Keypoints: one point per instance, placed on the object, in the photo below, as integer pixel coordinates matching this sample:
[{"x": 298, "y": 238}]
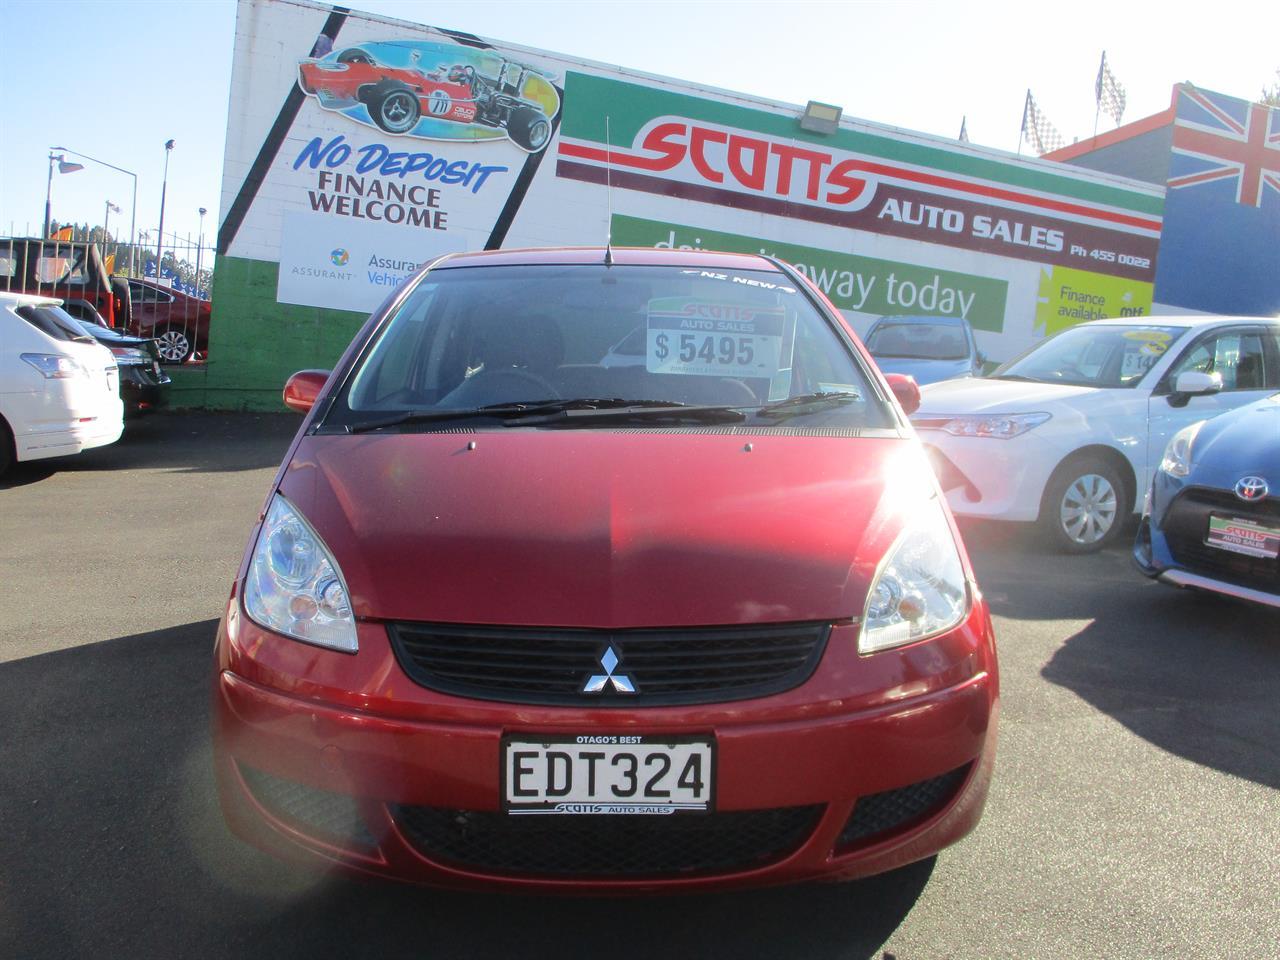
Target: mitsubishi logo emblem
[
  {"x": 1251, "y": 488},
  {"x": 621, "y": 682}
]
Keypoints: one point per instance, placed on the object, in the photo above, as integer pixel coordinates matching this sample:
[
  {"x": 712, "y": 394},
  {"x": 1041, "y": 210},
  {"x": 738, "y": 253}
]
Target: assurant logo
[{"x": 339, "y": 257}]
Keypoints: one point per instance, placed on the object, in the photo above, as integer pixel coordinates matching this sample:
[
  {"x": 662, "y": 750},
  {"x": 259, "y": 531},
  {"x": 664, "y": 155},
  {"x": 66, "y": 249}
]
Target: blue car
[
  {"x": 1212, "y": 516},
  {"x": 927, "y": 348}
]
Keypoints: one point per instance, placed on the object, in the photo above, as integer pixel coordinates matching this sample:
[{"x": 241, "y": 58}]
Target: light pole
[
  {"x": 164, "y": 186},
  {"x": 63, "y": 167},
  {"x": 199, "y": 249},
  {"x": 133, "y": 216},
  {"x": 106, "y": 214}
]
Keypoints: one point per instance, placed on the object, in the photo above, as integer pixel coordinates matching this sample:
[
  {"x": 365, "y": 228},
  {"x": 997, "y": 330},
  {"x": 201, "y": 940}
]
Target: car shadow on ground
[
  {"x": 179, "y": 441},
  {"x": 113, "y": 845},
  {"x": 1193, "y": 673}
]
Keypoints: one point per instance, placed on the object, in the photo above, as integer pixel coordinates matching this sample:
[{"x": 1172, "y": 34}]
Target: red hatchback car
[{"x": 514, "y": 618}]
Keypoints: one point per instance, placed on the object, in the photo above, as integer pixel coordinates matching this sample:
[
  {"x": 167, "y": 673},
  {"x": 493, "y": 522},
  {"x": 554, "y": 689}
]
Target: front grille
[
  {"x": 880, "y": 813},
  {"x": 322, "y": 814},
  {"x": 553, "y": 666},
  {"x": 1186, "y": 526},
  {"x": 600, "y": 847}
]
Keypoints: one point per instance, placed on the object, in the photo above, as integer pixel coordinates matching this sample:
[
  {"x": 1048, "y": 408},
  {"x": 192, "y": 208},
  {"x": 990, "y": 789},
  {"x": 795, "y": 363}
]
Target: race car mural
[{"x": 436, "y": 91}]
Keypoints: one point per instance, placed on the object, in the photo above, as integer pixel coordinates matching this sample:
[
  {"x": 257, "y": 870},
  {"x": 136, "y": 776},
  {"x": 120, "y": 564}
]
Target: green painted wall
[{"x": 260, "y": 342}]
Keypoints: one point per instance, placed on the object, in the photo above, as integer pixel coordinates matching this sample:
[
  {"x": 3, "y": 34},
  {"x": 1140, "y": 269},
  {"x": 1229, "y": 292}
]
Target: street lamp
[
  {"x": 106, "y": 215},
  {"x": 64, "y": 166},
  {"x": 199, "y": 249},
  {"x": 164, "y": 186},
  {"x": 133, "y": 216}
]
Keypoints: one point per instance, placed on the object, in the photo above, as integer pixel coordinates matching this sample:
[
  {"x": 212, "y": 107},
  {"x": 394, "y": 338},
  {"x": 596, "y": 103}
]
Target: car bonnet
[{"x": 604, "y": 528}]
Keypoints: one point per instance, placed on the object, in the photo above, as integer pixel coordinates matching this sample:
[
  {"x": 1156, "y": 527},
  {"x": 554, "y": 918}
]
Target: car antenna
[{"x": 608, "y": 189}]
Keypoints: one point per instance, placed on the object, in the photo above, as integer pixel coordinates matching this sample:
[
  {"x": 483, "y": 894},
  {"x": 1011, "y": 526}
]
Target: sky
[{"x": 115, "y": 80}]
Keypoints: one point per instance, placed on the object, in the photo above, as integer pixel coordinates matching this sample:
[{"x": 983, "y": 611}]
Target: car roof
[
  {"x": 629, "y": 256},
  {"x": 1183, "y": 320}
]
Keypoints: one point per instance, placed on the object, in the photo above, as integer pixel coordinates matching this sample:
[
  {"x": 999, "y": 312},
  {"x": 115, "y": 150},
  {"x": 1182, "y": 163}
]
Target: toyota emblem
[{"x": 1251, "y": 488}]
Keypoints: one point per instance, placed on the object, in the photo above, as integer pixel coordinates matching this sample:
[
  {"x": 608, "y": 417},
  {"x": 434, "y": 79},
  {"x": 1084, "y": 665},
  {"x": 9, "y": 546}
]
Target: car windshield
[
  {"x": 1106, "y": 355},
  {"x": 918, "y": 341},
  {"x": 554, "y": 335}
]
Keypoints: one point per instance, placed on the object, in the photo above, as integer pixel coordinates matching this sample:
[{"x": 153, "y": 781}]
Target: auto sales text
[{"x": 982, "y": 226}]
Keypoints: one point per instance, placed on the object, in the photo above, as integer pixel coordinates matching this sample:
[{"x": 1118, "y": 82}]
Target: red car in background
[
  {"x": 513, "y": 618},
  {"x": 179, "y": 323}
]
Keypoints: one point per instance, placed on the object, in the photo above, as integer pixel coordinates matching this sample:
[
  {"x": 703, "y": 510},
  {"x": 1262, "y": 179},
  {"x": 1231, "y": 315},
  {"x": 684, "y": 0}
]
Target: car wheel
[
  {"x": 396, "y": 110},
  {"x": 7, "y": 453},
  {"x": 529, "y": 128},
  {"x": 355, "y": 55},
  {"x": 1083, "y": 509},
  {"x": 174, "y": 344}
]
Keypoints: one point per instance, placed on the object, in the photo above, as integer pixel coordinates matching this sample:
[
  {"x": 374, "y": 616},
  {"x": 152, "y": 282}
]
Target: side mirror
[
  {"x": 907, "y": 391},
  {"x": 1195, "y": 384},
  {"x": 301, "y": 390}
]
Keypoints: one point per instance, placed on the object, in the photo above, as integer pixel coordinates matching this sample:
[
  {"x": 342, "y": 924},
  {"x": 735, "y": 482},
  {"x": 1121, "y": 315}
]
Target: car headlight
[
  {"x": 1177, "y": 455},
  {"x": 53, "y": 366},
  {"x": 920, "y": 588},
  {"x": 294, "y": 585},
  {"x": 1001, "y": 426}
]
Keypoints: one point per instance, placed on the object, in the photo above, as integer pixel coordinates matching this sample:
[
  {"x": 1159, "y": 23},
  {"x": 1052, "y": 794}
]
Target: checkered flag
[
  {"x": 1040, "y": 133},
  {"x": 1110, "y": 94}
]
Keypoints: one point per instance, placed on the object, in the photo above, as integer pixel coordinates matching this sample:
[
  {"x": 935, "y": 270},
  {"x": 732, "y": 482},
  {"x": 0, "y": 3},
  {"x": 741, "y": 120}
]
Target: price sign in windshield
[{"x": 710, "y": 338}]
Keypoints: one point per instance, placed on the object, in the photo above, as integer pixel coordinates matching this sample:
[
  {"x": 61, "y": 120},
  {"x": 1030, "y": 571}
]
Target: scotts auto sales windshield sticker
[{"x": 713, "y": 338}]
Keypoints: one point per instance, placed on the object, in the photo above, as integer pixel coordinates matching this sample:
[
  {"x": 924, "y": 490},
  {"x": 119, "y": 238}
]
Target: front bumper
[
  {"x": 341, "y": 757},
  {"x": 1171, "y": 543},
  {"x": 992, "y": 479}
]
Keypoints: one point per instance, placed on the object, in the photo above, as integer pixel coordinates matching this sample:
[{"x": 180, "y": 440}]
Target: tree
[{"x": 1271, "y": 94}]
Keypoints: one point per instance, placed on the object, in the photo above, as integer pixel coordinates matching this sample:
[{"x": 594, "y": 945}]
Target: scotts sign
[{"x": 714, "y": 152}]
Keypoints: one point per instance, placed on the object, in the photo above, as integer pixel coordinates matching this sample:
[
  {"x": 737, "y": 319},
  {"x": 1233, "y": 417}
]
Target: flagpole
[
  {"x": 1023, "y": 129},
  {"x": 1097, "y": 94}
]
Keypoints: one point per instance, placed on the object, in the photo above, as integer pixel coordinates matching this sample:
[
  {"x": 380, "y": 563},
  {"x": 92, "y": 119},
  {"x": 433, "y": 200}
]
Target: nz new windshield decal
[{"x": 435, "y": 91}]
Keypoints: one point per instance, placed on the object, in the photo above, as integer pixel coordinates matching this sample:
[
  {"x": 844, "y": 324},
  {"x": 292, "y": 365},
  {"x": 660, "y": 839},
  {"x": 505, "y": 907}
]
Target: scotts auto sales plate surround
[
  {"x": 1247, "y": 537},
  {"x": 607, "y": 774}
]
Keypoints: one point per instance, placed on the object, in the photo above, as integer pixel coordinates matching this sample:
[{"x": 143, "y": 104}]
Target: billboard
[{"x": 360, "y": 147}]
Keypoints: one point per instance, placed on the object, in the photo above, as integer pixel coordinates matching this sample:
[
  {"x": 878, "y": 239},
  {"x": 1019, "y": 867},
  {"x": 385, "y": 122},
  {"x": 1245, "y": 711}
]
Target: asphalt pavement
[{"x": 1135, "y": 810}]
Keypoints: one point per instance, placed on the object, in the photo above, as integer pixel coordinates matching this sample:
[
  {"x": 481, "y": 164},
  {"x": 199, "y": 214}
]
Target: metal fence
[{"x": 117, "y": 283}]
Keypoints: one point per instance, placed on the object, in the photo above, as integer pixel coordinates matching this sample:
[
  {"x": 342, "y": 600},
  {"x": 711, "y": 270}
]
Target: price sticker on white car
[
  {"x": 711, "y": 338},
  {"x": 607, "y": 774}
]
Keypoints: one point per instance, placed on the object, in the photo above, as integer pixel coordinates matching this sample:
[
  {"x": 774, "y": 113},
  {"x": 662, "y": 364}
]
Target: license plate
[
  {"x": 1244, "y": 536},
  {"x": 607, "y": 774}
]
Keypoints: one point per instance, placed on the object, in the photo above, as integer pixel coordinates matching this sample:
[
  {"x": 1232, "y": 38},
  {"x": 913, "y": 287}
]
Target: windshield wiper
[
  {"x": 807, "y": 403},
  {"x": 429, "y": 416},
  {"x": 1015, "y": 376},
  {"x": 583, "y": 412},
  {"x": 552, "y": 411}
]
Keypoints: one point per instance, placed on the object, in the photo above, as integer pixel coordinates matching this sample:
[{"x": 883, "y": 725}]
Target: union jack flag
[{"x": 1218, "y": 138}]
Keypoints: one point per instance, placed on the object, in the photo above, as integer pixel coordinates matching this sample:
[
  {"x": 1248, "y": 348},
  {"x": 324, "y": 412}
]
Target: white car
[
  {"x": 59, "y": 388},
  {"x": 1069, "y": 433}
]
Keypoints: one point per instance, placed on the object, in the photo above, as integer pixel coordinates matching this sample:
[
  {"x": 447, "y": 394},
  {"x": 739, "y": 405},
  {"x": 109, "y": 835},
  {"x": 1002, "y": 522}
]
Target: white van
[{"x": 59, "y": 388}]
